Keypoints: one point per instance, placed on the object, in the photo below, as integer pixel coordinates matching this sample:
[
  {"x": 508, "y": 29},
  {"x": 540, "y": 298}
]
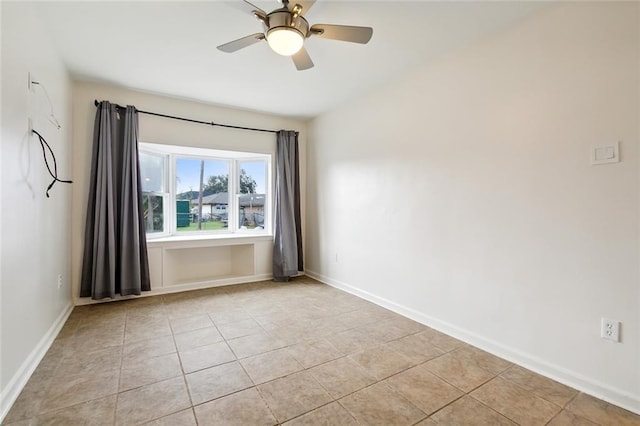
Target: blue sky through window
[{"x": 188, "y": 173}]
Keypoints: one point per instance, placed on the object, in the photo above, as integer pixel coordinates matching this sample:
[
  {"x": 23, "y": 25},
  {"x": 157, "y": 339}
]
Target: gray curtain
[
  {"x": 287, "y": 249},
  {"x": 115, "y": 246}
]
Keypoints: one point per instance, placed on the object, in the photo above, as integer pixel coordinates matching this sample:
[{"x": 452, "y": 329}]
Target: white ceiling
[{"x": 170, "y": 47}]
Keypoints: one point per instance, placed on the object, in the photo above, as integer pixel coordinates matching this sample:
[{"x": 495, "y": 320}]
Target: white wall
[
  {"x": 462, "y": 194},
  {"x": 35, "y": 229},
  {"x": 165, "y": 131}
]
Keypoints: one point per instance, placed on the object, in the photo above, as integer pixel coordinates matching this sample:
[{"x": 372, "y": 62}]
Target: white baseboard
[
  {"x": 11, "y": 392},
  {"x": 560, "y": 374},
  {"x": 179, "y": 288}
]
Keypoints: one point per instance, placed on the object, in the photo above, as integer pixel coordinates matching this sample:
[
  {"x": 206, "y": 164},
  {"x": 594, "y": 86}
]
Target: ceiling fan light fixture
[{"x": 285, "y": 41}]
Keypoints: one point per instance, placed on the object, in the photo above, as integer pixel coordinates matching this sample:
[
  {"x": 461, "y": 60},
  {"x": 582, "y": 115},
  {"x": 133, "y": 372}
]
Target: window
[
  {"x": 154, "y": 193},
  {"x": 251, "y": 196},
  {"x": 207, "y": 211},
  {"x": 210, "y": 191}
]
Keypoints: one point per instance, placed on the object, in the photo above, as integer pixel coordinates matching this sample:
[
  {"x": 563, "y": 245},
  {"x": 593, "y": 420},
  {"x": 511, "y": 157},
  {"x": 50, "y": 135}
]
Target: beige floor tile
[
  {"x": 293, "y": 333},
  {"x": 441, "y": 340},
  {"x": 267, "y": 322},
  {"x": 354, "y": 319},
  {"x": 181, "y": 418},
  {"x": 241, "y": 408},
  {"x": 254, "y": 344},
  {"x": 293, "y": 395},
  {"x": 430, "y": 422},
  {"x": 601, "y": 412},
  {"x": 89, "y": 362},
  {"x": 143, "y": 313},
  {"x": 381, "y": 361},
  {"x": 214, "y": 382},
  {"x": 383, "y": 332},
  {"x": 408, "y": 325},
  {"x": 94, "y": 339},
  {"x": 103, "y": 321},
  {"x": 142, "y": 349},
  {"x": 149, "y": 370},
  {"x": 273, "y": 319},
  {"x": 567, "y": 418},
  {"x": 341, "y": 377},
  {"x": 246, "y": 327},
  {"x": 545, "y": 388},
  {"x": 30, "y": 400},
  {"x": 482, "y": 359},
  {"x": 380, "y": 405},
  {"x": 25, "y": 422},
  {"x": 225, "y": 316},
  {"x": 423, "y": 389},
  {"x": 195, "y": 322},
  {"x": 213, "y": 304},
  {"x": 271, "y": 365},
  {"x": 457, "y": 371},
  {"x": 185, "y": 308},
  {"x": 152, "y": 401},
  {"x": 351, "y": 341},
  {"x": 514, "y": 402},
  {"x": 206, "y": 356},
  {"x": 468, "y": 411},
  {"x": 195, "y": 338},
  {"x": 99, "y": 412},
  {"x": 325, "y": 326},
  {"x": 52, "y": 359},
  {"x": 416, "y": 348},
  {"x": 74, "y": 389},
  {"x": 149, "y": 329},
  {"x": 332, "y": 414},
  {"x": 313, "y": 353},
  {"x": 68, "y": 329},
  {"x": 278, "y": 330}
]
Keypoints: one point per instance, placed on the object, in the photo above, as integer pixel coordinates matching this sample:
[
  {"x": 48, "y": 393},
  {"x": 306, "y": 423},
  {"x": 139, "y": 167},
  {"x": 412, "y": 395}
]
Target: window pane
[
  {"x": 153, "y": 207},
  {"x": 152, "y": 172},
  {"x": 213, "y": 190},
  {"x": 251, "y": 201}
]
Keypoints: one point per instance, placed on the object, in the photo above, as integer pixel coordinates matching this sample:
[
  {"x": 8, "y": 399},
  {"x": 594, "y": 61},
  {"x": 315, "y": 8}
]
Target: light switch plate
[{"x": 605, "y": 154}]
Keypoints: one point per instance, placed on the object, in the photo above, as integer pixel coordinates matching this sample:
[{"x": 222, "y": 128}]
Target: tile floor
[{"x": 300, "y": 353}]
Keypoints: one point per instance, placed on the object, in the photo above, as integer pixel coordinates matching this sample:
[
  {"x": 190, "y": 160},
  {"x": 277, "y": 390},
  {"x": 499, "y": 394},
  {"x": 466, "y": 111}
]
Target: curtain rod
[{"x": 210, "y": 123}]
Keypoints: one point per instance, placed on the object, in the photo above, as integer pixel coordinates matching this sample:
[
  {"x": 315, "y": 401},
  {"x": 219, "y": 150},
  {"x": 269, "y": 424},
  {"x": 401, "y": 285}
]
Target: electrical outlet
[
  {"x": 59, "y": 281},
  {"x": 30, "y": 81},
  {"x": 610, "y": 330},
  {"x": 29, "y": 126}
]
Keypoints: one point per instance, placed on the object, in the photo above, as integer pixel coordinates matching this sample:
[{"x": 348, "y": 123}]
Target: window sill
[{"x": 209, "y": 239}]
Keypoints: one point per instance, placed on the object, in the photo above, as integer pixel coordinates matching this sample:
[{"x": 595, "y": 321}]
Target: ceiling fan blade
[
  {"x": 305, "y": 4},
  {"x": 302, "y": 60},
  {"x": 343, "y": 32},
  {"x": 246, "y": 7},
  {"x": 241, "y": 43}
]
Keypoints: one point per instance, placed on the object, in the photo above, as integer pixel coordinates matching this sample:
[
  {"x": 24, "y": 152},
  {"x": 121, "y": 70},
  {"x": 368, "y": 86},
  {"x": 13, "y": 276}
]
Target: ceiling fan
[{"x": 285, "y": 30}]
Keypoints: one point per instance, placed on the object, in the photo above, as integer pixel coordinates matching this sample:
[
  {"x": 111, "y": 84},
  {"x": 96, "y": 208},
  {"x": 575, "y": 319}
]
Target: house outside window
[{"x": 204, "y": 191}]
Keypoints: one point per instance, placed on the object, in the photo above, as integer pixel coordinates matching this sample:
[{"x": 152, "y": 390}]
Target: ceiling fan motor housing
[
  {"x": 282, "y": 18},
  {"x": 285, "y": 30}
]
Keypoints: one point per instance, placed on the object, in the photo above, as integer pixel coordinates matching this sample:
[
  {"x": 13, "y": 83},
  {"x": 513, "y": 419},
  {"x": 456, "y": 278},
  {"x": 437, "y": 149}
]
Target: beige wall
[
  {"x": 35, "y": 230},
  {"x": 462, "y": 195},
  {"x": 165, "y": 131}
]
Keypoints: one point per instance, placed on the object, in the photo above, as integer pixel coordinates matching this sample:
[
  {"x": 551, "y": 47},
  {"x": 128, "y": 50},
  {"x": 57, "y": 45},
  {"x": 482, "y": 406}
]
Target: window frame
[
  {"x": 166, "y": 195},
  {"x": 233, "y": 158},
  {"x": 268, "y": 195}
]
